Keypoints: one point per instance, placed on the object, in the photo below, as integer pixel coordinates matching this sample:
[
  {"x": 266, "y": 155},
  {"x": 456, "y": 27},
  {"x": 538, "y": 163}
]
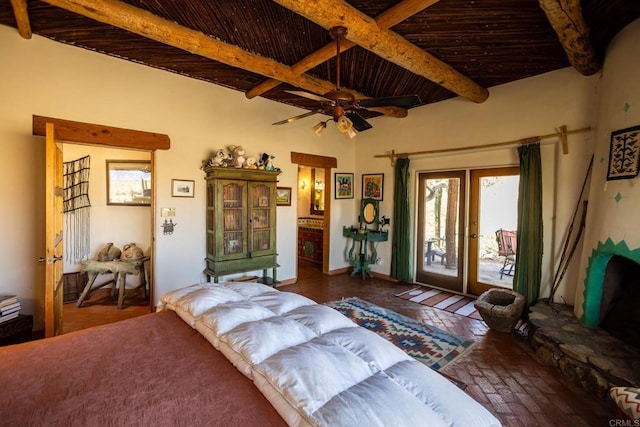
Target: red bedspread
[{"x": 151, "y": 370}]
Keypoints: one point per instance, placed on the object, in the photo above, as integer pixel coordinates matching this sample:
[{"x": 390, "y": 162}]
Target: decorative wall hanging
[
  {"x": 372, "y": 186},
  {"x": 344, "y": 185},
  {"x": 76, "y": 208},
  {"x": 624, "y": 154},
  {"x": 182, "y": 187}
]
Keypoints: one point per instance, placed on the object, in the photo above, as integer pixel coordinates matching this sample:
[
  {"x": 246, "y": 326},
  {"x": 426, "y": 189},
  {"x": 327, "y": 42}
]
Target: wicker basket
[{"x": 500, "y": 308}]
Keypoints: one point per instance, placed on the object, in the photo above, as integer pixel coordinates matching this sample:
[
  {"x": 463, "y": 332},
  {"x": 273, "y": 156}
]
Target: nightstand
[{"x": 16, "y": 330}]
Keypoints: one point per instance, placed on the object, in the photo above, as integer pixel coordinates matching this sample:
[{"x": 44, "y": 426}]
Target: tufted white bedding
[{"x": 315, "y": 365}]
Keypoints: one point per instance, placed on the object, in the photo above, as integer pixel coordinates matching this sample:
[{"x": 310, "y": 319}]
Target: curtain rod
[{"x": 563, "y": 133}]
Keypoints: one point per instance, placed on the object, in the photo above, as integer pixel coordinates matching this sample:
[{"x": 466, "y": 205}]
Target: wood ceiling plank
[
  {"x": 387, "y": 19},
  {"x": 146, "y": 24},
  {"x": 566, "y": 18},
  {"x": 89, "y": 133},
  {"x": 22, "y": 17},
  {"x": 364, "y": 31}
]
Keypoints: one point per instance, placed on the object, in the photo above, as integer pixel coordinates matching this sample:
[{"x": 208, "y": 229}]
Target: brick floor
[{"x": 501, "y": 372}]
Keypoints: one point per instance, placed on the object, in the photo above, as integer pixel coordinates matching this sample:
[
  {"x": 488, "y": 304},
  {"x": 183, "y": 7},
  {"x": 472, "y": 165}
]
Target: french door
[
  {"x": 440, "y": 244},
  {"x": 493, "y": 219},
  {"x": 446, "y": 256}
]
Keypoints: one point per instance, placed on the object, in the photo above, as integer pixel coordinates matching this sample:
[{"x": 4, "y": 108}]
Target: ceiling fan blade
[
  {"x": 405, "y": 101},
  {"x": 294, "y": 118},
  {"x": 359, "y": 123},
  {"x": 308, "y": 95}
]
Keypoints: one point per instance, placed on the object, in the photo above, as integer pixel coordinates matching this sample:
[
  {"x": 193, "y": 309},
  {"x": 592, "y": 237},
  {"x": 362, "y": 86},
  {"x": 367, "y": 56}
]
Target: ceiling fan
[{"x": 342, "y": 105}]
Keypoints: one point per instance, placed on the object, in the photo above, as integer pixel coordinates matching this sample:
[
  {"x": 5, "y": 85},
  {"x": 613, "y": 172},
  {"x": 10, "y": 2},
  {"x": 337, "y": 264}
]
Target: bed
[{"x": 228, "y": 354}]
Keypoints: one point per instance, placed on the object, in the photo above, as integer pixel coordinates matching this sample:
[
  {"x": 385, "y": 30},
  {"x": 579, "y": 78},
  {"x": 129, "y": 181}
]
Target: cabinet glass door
[
  {"x": 262, "y": 206},
  {"x": 233, "y": 231}
]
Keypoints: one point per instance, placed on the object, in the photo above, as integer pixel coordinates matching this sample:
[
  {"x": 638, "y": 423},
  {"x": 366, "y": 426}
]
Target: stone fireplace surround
[{"x": 601, "y": 349}]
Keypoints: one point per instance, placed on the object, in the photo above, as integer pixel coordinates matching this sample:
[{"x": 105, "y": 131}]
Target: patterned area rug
[
  {"x": 453, "y": 303},
  {"x": 428, "y": 344}
]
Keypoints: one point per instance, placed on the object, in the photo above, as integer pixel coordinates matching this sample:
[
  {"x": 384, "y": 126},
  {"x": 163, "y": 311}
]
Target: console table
[
  {"x": 365, "y": 239},
  {"x": 120, "y": 269}
]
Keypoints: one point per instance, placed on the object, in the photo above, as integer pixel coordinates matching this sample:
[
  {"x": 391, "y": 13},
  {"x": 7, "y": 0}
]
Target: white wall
[
  {"x": 618, "y": 108},
  {"x": 529, "y": 107},
  {"x": 46, "y": 78}
]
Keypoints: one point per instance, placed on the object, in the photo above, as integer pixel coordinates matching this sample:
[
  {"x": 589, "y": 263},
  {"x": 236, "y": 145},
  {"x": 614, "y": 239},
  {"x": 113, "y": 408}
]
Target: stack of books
[{"x": 9, "y": 307}]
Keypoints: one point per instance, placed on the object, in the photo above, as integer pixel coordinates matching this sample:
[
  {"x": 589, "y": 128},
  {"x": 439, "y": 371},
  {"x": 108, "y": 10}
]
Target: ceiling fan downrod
[{"x": 338, "y": 33}]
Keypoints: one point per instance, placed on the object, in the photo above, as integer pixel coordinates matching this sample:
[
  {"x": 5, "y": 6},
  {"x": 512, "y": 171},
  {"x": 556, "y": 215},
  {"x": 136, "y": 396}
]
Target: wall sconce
[{"x": 303, "y": 184}]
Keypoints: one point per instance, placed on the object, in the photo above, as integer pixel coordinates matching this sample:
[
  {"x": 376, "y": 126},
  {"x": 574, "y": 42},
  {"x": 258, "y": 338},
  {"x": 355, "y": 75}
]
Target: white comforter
[{"x": 316, "y": 366}]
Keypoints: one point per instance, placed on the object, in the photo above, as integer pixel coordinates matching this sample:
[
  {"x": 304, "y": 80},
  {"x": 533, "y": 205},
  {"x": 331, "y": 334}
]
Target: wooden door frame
[
  {"x": 68, "y": 131},
  {"x": 313, "y": 160}
]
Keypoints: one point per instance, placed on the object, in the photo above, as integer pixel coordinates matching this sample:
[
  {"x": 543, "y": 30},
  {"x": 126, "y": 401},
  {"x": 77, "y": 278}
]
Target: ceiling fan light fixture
[
  {"x": 319, "y": 127},
  {"x": 344, "y": 124},
  {"x": 351, "y": 133}
]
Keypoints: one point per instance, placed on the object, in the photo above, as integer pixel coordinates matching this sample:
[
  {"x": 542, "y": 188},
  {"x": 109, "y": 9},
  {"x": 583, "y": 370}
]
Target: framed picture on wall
[
  {"x": 624, "y": 154},
  {"x": 344, "y": 185},
  {"x": 182, "y": 187},
  {"x": 283, "y": 196},
  {"x": 129, "y": 182},
  {"x": 372, "y": 186}
]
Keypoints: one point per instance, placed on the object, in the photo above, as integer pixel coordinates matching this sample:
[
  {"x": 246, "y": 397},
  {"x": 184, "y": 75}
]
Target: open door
[{"x": 53, "y": 235}]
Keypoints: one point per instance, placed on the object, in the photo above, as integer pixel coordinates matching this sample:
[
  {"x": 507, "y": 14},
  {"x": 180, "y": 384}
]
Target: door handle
[
  {"x": 474, "y": 236},
  {"x": 50, "y": 260}
]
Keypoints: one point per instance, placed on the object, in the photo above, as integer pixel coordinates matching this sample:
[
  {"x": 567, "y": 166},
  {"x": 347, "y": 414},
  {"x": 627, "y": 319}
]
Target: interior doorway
[
  {"x": 321, "y": 166},
  {"x": 118, "y": 215}
]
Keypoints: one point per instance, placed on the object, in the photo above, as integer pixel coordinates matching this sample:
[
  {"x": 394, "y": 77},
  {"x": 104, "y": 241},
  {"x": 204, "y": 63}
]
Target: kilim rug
[
  {"x": 453, "y": 303},
  {"x": 432, "y": 346}
]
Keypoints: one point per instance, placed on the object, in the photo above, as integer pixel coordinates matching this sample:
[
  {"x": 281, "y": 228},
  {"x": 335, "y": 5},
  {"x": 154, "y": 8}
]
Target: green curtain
[
  {"x": 528, "y": 274},
  {"x": 401, "y": 224}
]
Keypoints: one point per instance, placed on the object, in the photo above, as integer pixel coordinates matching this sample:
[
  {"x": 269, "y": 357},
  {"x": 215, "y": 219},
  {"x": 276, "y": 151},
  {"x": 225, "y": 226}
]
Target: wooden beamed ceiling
[{"x": 383, "y": 28}]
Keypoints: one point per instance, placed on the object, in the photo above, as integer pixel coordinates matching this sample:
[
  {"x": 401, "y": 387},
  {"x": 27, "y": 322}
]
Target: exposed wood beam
[
  {"x": 146, "y": 24},
  {"x": 364, "y": 31},
  {"x": 22, "y": 18},
  {"x": 387, "y": 19},
  {"x": 88, "y": 133},
  {"x": 568, "y": 22}
]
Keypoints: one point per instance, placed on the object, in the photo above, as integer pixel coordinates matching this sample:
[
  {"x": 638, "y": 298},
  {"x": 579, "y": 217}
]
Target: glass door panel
[
  {"x": 233, "y": 227},
  {"x": 440, "y": 244},
  {"x": 262, "y": 200},
  {"x": 493, "y": 218}
]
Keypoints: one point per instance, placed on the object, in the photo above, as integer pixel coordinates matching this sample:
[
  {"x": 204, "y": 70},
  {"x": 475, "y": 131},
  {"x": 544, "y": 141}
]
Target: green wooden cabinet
[{"x": 241, "y": 222}]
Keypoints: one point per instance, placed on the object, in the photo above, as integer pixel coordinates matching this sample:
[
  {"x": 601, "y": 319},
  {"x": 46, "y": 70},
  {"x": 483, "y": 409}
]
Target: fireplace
[
  {"x": 601, "y": 349},
  {"x": 620, "y": 306},
  {"x": 612, "y": 291}
]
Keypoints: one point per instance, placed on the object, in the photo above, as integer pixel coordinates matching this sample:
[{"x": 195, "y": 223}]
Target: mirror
[
  {"x": 317, "y": 191},
  {"x": 369, "y": 211}
]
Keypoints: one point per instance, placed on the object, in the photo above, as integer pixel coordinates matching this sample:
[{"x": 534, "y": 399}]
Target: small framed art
[
  {"x": 283, "y": 196},
  {"x": 182, "y": 188},
  {"x": 344, "y": 185},
  {"x": 372, "y": 186},
  {"x": 624, "y": 154}
]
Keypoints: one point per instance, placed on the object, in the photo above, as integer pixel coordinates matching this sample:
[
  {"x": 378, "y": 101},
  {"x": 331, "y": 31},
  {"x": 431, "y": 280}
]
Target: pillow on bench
[{"x": 628, "y": 401}]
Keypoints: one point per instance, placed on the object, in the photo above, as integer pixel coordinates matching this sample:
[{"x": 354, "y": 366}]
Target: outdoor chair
[{"x": 507, "y": 244}]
